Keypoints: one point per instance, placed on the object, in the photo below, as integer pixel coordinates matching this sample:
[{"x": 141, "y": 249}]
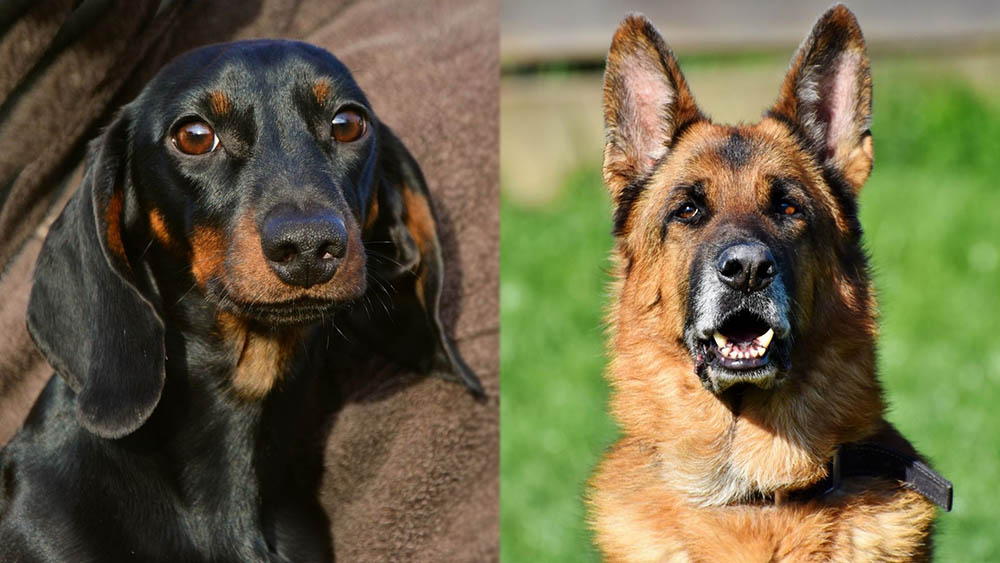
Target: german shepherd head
[{"x": 745, "y": 238}]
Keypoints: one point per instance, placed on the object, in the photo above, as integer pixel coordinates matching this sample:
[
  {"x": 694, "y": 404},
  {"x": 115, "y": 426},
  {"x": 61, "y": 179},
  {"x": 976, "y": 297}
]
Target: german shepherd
[{"x": 743, "y": 324}]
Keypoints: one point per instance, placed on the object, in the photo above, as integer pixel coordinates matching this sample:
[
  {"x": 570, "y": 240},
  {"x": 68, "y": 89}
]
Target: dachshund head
[{"x": 259, "y": 173}]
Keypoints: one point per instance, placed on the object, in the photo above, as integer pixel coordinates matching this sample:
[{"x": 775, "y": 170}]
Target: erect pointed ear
[
  {"x": 646, "y": 103},
  {"x": 85, "y": 313},
  {"x": 827, "y": 94},
  {"x": 404, "y": 260}
]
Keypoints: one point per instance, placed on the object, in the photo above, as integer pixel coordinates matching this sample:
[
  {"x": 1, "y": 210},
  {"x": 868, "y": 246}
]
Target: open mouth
[
  {"x": 742, "y": 342},
  {"x": 746, "y": 347}
]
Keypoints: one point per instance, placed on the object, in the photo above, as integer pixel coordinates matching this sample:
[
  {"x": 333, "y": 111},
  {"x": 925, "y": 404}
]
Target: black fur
[
  {"x": 626, "y": 201},
  {"x": 736, "y": 151},
  {"x": 140, "y": 449}
]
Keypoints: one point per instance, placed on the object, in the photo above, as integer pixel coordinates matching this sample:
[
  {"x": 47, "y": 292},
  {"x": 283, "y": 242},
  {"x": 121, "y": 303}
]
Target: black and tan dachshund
[{"x": 233, "y": 220}]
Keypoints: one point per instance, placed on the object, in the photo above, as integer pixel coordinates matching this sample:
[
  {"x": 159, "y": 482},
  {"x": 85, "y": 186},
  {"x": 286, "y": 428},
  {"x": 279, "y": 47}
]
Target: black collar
[{"x": 872, "y": 460}]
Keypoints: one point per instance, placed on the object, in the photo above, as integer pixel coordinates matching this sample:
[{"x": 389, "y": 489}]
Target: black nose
[
  {"x": 746, "y": 266},
  {"x": 303, "y": 248}
]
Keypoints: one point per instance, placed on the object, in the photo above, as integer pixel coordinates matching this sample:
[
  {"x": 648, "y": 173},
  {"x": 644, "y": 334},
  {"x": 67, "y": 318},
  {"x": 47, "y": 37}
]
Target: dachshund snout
[{"x": 303, "y": 248}]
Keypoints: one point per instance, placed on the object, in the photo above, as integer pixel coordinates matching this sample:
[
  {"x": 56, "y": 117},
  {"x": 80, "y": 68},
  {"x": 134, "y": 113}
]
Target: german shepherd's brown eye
[
  {"x": 687, "y": 212},
  {"x": 788, "y": 208},
  {"x": 348, "y": 126},
  {"x": 195, "y": 137}
]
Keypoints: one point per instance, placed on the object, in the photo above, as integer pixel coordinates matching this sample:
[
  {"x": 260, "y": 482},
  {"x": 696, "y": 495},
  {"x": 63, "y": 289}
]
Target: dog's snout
[
  {"x": 303, "y": 248},
  {"x": 746, "y": 266}
]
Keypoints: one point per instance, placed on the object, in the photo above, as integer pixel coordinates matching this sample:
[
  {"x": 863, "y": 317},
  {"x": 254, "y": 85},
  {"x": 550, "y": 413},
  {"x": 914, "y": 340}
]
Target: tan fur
[
  {"x": 261, "y": 358},
  {"x": 858, "y": 162},
  {"x": 239, "y": 265},
  {"x": 220, "y": 102},
  {"x": 249, "y": 279},
  {"x": 372, "y": 215},
  {"x": 321, "y": 90},
  {"x": 208, "y": 252},
  {"x": 693, "y": 478},
  {"x": 640, "y": 519},
  {"x": 419, "y": 222},
  {"x": 158, "y": 227},
  {"x": 113, "y": 220},
  {"x": 248, "y": 275}
]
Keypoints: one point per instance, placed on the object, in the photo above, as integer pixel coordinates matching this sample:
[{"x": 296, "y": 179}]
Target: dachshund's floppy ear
[
  {"x": 404, "y": 259},
  {"x": 85, "y": 312}
]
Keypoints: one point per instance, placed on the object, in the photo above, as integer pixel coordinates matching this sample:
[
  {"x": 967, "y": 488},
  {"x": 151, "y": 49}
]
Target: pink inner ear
[
  {"x": 649, "y": 95},
  {"x": 842, "y": 100}
]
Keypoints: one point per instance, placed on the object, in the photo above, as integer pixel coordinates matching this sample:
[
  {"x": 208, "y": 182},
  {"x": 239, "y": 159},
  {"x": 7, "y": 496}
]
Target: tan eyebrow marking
[
  {"x": 321, "y": 89},
  {"x": 220, "y": 102}
]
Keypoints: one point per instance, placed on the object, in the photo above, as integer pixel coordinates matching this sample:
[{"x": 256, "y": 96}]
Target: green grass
[
  {"x": 930, "y": 212},
  {"x": 553, "y": 421}
]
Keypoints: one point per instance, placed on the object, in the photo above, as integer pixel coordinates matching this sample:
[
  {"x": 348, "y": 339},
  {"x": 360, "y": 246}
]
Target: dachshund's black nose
[
  {"x": 747, "y": 266},
  {"x": 303, "y": 248}
]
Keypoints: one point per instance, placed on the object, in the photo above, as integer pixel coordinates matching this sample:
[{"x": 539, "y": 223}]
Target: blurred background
[{"x": 931, "y": 212}]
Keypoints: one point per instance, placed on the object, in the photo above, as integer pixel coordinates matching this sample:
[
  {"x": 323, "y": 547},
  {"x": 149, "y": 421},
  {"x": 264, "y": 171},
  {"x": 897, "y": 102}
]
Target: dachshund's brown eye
[
  {"x": 195, "y": 137},
  {"x": 348, "y": 126}
]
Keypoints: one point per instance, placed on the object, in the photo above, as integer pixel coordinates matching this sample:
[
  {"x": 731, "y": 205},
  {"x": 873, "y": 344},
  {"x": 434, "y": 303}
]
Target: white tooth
[
  {"x": 720, "y": 340},
  {"x": 765, "y": 339}
]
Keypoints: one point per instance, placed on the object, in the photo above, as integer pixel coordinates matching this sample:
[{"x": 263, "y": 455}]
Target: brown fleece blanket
[{"x": 411, "y": 463}]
